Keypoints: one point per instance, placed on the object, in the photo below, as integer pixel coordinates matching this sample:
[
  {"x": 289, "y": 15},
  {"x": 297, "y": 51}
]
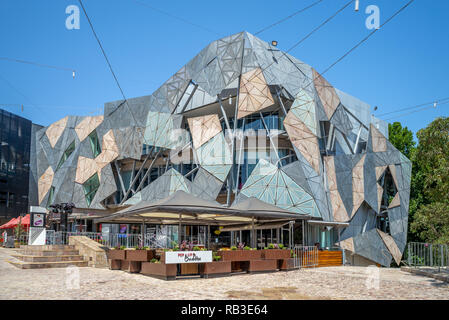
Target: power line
[
  {"x": 288, "y": 17},
  {"x": 17, "y": 91},
  {"x": 415, "y": 111},
  {"x": 125, "y": 100},
  {"x": 38, "y": 64},
  {"x": 439, "y": 101},
  {"x": 176, "y": 17},
  {"x": 368, "y": 36},
  {"x": 307, "y": 36}
]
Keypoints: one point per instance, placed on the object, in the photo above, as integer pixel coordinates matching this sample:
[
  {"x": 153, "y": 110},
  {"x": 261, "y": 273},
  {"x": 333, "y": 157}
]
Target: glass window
[
  {"x": 95, "y": 143},
  {"x": 66, "y": 154},
  {"x": 50, "y": 197},
  {"x": 90, "y": 188}
]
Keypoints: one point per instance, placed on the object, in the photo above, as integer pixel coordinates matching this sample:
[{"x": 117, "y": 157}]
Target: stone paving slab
[{"x": 313, "y": 283}]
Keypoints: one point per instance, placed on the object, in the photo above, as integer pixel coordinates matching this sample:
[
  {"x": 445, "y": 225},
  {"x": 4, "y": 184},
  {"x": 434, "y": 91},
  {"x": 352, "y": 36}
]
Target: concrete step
[
  {"x": 48, "y": 247},
  {"x": 33, "y": 258},
  {"x": 42, "y": 265},
  {"x": 47, "y": 253}
]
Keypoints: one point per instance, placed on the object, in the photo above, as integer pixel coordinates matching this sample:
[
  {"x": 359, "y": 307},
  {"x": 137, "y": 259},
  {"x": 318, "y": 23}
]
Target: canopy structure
[
  {"x": 14, "y": 222},
  {"x": 181, "y": 207}
]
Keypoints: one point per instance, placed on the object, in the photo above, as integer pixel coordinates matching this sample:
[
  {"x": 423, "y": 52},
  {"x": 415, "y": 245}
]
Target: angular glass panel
[
  {"x": 95, "y": 143},
  {"x": 90, "y": 188},
  {"x": 50, "y": 197},
  {"x": 66, "y": 154}
]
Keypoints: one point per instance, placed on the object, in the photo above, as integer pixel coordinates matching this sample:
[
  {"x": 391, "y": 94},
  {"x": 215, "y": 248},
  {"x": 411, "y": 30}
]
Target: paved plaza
[{"x": 320, "y": 283}]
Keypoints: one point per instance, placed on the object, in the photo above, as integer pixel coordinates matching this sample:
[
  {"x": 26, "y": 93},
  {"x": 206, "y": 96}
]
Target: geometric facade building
[{"x": 241, "y": 119}]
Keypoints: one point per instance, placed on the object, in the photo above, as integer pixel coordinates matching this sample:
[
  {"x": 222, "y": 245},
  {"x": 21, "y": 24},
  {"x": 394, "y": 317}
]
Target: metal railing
[
  {"x": 428, "y": 255},
  {"x": 112, "y": 239},
  {"x": 305, "y": 256}
]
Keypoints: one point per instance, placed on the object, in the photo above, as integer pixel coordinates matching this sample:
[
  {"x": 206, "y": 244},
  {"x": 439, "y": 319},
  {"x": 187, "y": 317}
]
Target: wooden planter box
[
  {"x": 189, "y": 268},
  {"x": 215, "y": 268},
  {"x": 116, "y": 254},
  {"x": 262, "y": 265},
  {"x": 159, "y": 270},
  {"x": 240, "y": 255},
  {"x": 139, "y": 255},
  {"x": 286, "y": 264},
  {"x": 124, "y": 265},
  {"x": 115, "y": 264},
  {"x": 275, "y": 254}
]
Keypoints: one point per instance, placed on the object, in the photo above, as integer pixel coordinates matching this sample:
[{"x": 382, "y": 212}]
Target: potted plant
[
  {"x": 240, "y": 253},
  {"x": 117, "y": 253},
  {"x": 141, "y": 254},
  {"x": 275, "y": 252}
]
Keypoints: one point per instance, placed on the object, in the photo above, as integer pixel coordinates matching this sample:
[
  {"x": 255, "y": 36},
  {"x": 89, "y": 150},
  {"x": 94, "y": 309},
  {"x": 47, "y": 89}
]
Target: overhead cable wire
[
  {"x": 38, "y": 64},
  {"x": 284, "y": 53},
  {"x": 108, "y": 62},
  {"x": 438, "y": 101},
  {"x": 368, "y": 36},
  {"x": 288, "y": 17},
  {"x": 176, "y": 17},
  {"x": 415, "y": 111}
]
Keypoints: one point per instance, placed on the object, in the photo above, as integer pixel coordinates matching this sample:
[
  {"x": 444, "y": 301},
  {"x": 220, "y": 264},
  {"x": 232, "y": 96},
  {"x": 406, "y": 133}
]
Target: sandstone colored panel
[
  {"x": 380, "y": 192},
  {"x": 44, "y": 183},
  {"x": 87, "y": 125},
  {"x": 303, "y": 139},
  {"x": 338, "y": 209},
  {"x": 85, "y": 169},
  {"x": 358, "y": 193},
  {"x": 378, "y": 140},
  {"x": 395, "y": 202},
  {"x": 327, "y": 94},
  {"x": 347, "y": 244},
  {"x": 391, "y": 246},
  {"x": 204, "y": 128},
  {"x": 109, "y": 150},
  {"x": 254, "y": 94},
  {"x": 55, "y": 130},
  {"x": 379, "y": 171}
]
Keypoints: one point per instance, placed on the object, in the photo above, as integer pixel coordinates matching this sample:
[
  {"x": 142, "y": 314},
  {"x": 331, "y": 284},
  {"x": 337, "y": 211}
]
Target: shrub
[
  {"x": 154, "y": 260},
  {"x": 246, "y": 248},
  {"x": 281, "y": 246},
  {"x": 233, "y": 248},
  {"x": 217, "y": 258},
  {"x": 271, "y": 246},
  {"x": 196, "y": 248}
]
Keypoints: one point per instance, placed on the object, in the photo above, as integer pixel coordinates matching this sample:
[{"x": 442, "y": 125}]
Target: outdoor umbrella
[{"x": 9, "y": 224}]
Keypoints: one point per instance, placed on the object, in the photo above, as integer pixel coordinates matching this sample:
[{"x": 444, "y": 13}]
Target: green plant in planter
[
  {"x": 233, "y": 248},
  {"x": 154, "y": 260},
  {"x": 271, "y": 246},
  {"x": 246, "y": 248},
  {"x": 196, "y": 248},
  {"x": 216, "y": 258},
  {"x": 281, "y": 246},
  {"x": 292, "y": 254}
]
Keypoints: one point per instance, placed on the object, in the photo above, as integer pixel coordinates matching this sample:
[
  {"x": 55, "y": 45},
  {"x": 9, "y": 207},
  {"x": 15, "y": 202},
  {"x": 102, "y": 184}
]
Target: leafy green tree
[
  {"x": 431, "y": 219},
  {"x": 401, "y": 138}
]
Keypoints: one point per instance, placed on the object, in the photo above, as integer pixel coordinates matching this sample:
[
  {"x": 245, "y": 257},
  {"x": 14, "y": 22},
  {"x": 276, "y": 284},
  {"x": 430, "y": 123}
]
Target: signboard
[
  {"x": 188, "y": 257},
  {"x": 38, "y": 220}
]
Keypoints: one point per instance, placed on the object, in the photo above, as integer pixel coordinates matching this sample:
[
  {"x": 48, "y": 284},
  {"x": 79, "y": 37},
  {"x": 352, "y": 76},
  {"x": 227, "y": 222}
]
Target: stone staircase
[{"x": 48, "y": 256}]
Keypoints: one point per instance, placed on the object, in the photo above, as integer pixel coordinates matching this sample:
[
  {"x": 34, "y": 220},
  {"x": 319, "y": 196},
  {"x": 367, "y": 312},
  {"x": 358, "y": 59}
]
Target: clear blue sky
[{"x": 404, "y": 64}]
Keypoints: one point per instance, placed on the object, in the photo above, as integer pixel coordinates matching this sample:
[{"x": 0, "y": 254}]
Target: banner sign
[
  {"x": 38, "y": 219},
  {"x": 188, "y": 257}
]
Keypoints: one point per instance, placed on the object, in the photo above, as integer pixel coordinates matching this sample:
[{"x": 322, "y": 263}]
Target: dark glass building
[{"x": 15, "y": 140}]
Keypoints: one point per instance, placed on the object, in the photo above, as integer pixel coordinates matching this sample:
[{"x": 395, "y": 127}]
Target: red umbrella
[
  {"x": 25, "y": 221},
  {"x": 9, "y": 224}
]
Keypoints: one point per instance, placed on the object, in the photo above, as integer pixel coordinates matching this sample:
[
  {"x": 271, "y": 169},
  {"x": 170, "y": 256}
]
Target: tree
[
  {"x": 401, "y": 138},
  {"x": 431, "y": 220}
]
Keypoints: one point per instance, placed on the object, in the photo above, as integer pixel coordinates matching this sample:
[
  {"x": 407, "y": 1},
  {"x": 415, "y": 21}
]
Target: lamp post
[{"x": 63, "y": 209}]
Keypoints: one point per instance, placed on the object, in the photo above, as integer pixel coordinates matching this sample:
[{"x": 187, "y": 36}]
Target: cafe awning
[{"x": 187, "y": 208}]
